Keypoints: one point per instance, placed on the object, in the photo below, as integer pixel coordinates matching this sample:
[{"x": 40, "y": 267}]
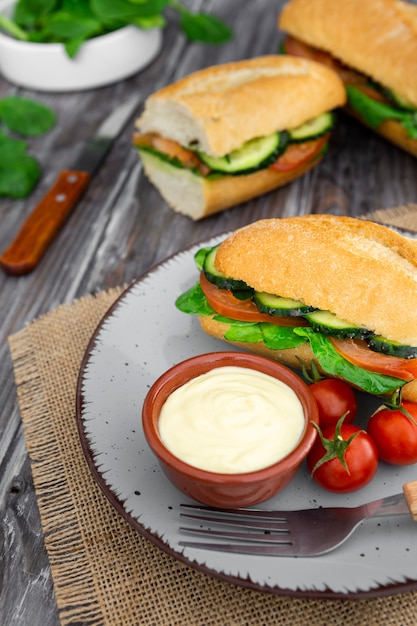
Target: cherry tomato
[
  {"x": 357, "y": 450},
  {"x": 334, "y": 398},
  {"x": 395, "y": 434}
]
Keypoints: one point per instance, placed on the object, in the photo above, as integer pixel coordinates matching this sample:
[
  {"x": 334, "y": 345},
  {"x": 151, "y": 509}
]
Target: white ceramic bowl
[{"x": 100, "y": 61}]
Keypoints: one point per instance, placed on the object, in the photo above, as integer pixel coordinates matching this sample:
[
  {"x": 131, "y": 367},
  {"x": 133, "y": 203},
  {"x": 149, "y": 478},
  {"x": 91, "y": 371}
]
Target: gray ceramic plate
[{"x": 141, "y": 336}]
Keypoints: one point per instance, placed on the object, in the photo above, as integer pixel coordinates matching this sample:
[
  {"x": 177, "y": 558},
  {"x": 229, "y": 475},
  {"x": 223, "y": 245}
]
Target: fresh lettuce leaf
[
  {"x": 194, "y": 302},
  {"x": 200, "y": 257},
  {"x": 273, "y": 336},
  {"x": 246, "y": 332},
  {"x": 281, "y": 337},
  {"x": 374, "y": 112},
  {"x": 335, "y": 364}
]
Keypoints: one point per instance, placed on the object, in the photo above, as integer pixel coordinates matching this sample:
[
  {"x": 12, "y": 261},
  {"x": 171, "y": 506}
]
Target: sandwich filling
[
  {"x": 373, "y": 102},
  {"x": 281, "y": 151},
  {"x": 368, "y": 361}
]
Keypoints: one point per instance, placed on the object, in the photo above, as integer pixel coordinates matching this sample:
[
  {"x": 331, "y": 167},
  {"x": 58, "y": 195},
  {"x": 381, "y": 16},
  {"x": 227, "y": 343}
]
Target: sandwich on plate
[
  {"x": 372, "y": 45},
  {"x": 229, "y": 133},
  {"x": 339, "y": 291}
]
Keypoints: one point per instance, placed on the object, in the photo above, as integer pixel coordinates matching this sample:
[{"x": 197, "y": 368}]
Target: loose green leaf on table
[
  {"x": 25, "y": 116},
  {"x": 202, "y": 26},
  {"x": 19, "y": 171}
]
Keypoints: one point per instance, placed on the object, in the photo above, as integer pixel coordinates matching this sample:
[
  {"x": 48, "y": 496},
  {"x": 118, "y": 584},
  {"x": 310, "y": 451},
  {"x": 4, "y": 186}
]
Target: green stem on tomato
[{"x": 336, "y": 447}]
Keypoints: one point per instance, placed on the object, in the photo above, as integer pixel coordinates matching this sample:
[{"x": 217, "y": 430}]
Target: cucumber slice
[
  {"x": 329, "y": 324},
  {"x": 377, "y": 343},
  {"x": 253, "y": 155},
  {"x": 313, "y": 128},
  {"x": 275, "y": 305},
  {"x": 218, "y": 278}
]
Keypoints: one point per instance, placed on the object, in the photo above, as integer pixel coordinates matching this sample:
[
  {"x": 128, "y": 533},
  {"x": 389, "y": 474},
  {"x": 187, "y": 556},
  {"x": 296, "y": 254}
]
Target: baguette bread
[
  {"x": 217, "y": 110},
  {"x": 377, "y": 38},
  {"x": 360, "y": 271},
  {"x": 198, "y": 197}
]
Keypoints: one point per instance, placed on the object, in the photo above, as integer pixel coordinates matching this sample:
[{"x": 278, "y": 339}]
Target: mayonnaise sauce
[{"x": 232, "y": 420}]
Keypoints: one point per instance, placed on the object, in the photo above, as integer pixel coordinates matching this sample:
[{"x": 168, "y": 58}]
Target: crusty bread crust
[
  {"x": 198, "y": 197},
  {"x": 376, "y": 37},
  {"x": 217, "y": 109},
  {"x": 361, "y": 271},
  {"x": 294, "y": 357}
]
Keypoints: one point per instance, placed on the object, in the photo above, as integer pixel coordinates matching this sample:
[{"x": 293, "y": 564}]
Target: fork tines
[{"x": 263, "y": 528}]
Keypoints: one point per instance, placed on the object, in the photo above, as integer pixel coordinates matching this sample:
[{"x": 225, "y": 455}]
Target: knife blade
[{"x": 50, "y": 214}]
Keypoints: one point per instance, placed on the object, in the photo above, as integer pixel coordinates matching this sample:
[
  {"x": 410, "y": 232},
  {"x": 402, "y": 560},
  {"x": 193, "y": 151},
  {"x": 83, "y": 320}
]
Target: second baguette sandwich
[
  {"x": 372, "y": 44},
  {"x": 336, "y": 290},
  {"x": 229, "y": 133}
]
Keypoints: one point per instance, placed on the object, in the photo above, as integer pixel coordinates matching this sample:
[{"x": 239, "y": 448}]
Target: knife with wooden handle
[{"x": 40, "y": 228}]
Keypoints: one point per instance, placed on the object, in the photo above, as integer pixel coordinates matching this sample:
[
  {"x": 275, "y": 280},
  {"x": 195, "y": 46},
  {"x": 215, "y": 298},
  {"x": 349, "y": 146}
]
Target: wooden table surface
[{"x": 122, "y": 227}]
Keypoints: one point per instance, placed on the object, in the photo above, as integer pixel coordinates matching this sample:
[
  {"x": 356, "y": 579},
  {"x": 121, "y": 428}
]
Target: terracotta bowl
[{"x": 227, "y": 490}]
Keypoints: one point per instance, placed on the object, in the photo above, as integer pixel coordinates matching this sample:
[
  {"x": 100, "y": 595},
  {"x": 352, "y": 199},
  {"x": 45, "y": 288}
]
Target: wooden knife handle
[
  {"x": 40, "y": 228},
  {"x": 410, "y": 492}
]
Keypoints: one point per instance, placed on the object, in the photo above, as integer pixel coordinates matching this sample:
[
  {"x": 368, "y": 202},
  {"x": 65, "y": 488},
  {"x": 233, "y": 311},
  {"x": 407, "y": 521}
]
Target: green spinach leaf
[
  {"x": 203, "y": 27},
  {"x": 19, "y": 171},
  {"x": 194, "y": 302},
  {"x": 74, "y": 21},
  {"x": 245, "y": 332},
  {"x": 374, "y": 112},
  {"x": 281, "y": 337},
  {"x": 335, "y": 365},
  {"x": 273, "y": 336},
  {"x": 28, "y": 14},
  {"x": 200, "y": 256},
  {"x": 25, "y": 116}
]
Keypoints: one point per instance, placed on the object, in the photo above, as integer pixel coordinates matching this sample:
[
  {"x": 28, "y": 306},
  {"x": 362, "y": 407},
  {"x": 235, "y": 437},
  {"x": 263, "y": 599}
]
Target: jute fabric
[{"x": 104, "y": 572}]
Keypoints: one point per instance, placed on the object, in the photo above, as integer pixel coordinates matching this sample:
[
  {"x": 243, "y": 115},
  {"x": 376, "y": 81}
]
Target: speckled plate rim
[{"x": 198, "y": 560}]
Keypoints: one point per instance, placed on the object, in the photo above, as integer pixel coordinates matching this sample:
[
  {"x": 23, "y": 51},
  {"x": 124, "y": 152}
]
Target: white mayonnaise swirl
[{"x": 232, "y": 420}]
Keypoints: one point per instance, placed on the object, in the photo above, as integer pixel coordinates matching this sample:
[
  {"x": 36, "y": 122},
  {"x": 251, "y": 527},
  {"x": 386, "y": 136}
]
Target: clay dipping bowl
[{"x": 227, "y": 490}]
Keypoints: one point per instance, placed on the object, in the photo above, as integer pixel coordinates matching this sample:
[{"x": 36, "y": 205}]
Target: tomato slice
[
  {"x": 349, "y": 76},
  {"x": 298, "y": 48},
  {"x": 358, "y": 353},
  {"x": 297, "y": 154},
  {"x": 224, "y": 303}
]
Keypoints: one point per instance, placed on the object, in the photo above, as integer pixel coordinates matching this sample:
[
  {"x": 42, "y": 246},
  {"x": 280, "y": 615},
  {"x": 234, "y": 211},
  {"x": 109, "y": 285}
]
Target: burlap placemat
[
  {"x": 104, "y": 572},
  {"x": 404, "y": 217}
]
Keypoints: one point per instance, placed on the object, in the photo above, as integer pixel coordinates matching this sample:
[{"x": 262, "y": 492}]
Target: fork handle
[{"x": 410, "y": 493}]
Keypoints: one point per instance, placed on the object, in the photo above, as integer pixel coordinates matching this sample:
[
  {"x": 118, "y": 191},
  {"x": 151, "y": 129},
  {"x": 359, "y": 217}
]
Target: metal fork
[{"x": 308, "y": 532}]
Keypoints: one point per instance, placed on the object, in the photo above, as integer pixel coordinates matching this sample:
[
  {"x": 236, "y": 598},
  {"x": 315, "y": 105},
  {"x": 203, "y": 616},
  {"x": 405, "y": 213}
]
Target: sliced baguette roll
[
  {"x": 363, "y": 272},
  {"x": 377, "y": 38},
  {"x": 218, "y": 109}
]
